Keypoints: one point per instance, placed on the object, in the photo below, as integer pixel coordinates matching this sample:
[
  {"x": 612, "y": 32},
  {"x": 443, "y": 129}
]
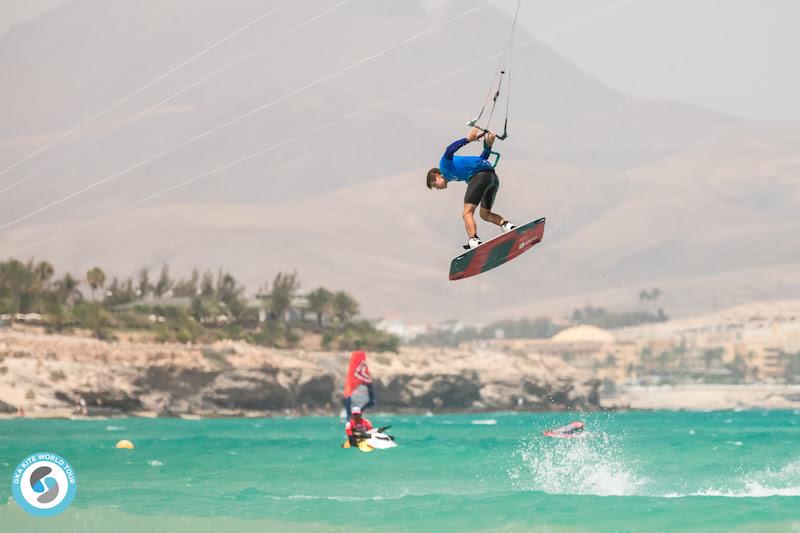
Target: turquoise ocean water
[{"x": 648, "y": 471}]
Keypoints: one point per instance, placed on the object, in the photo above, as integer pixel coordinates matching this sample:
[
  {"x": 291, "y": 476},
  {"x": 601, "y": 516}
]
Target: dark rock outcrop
[
  {"x": 451, "y": 392},
  {"x": 178, "y": 382},
  {"x": 7, "y": 408},
  {"x": 248, "y": 390},
  {"x": 317, "y": 391},
  {"x": 108, "y": 401}
]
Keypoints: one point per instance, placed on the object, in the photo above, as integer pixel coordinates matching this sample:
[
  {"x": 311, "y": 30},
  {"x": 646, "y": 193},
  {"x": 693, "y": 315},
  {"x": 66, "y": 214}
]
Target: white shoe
[
  {"x": 473, "y": 243},
  {"x": 508, "y": 226}
]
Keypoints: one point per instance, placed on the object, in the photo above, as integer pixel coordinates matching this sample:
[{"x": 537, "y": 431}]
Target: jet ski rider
[{"x": 357, "y": 427}]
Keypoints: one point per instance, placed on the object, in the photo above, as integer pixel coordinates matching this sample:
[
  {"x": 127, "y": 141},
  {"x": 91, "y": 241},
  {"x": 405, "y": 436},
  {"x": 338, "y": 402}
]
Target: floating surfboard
[
  {"x": 497, "y": 251},
  {"x": 570, "y": 431}
]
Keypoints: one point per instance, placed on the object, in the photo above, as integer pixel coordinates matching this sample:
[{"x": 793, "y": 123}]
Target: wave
[
  {"x": 754, "y": 491},
  {"x": 588, "y": 466},
  {"x": 784, "y": 481},
  {"x": 486, "y": 422},
  {"x": 251, "y": 493},
  {"x": 599, "y": 467},
  {"x": 332, "y": 498}
]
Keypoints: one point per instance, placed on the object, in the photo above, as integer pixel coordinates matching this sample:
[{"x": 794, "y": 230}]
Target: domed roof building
[
  {"x": 586, "y": 347},
  {"x": 583, "y": 333}
]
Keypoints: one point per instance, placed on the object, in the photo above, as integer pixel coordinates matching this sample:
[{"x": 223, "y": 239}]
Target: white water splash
[
  {"x": 575, "y": 466},
  {"x": 784, "y": 481},
  {"x": 487, "y": 422}
]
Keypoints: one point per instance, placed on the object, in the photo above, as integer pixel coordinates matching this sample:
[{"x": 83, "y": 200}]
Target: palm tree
[
  {"x": 229, "y": 292},
  {"x": 44, "y": 272},
  {"x": 228, "y": 289},
  {"x": 207, "y": 285},
  {"x": 96, "y": 279},
  {"x": 67, "y": 289},
  {"x": 188, "y": 288},
  {"x": 144, "y": 283},
  {"x": 344, "y": 306},
  {"x": 164, "y": 283},
  {"x": 319, "y": 302},
  {"x": 643, "y": 296},
  {"x": 17, "y": 282},
  {"x": 650, "y": 296},
  {"x": 120, "y": 293},
  {"x": 284, "y": 287},
  {"x": 654, "y": 295}
]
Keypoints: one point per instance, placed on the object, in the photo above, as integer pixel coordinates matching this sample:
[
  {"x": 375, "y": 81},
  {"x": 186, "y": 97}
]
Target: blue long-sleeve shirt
[{"x": 463, "y": 167}]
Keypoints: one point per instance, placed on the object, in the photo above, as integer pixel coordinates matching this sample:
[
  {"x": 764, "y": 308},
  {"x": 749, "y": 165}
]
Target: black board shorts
[{"x": 482, "y": 188}]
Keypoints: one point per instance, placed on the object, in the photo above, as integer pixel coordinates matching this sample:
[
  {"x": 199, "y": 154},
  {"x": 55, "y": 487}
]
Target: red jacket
[{"x": 353, "y": 425}]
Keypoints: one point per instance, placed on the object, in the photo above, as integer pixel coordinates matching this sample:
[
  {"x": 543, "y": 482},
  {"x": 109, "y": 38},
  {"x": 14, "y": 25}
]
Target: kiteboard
[
  {"x": 497, "y": 251},
  {"x": 570, "y": 431}
]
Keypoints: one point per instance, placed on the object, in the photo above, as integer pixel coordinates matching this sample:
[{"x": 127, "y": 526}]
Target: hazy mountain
[{"x": 637, "y": 194}]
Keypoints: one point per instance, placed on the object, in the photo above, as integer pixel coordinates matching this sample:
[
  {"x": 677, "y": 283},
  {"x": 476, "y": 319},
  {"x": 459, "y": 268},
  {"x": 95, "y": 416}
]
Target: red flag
[{"x": 357, "y": 373}]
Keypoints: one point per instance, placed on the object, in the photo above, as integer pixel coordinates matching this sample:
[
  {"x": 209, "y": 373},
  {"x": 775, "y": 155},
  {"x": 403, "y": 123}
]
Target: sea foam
[
  {"x": 592, "y": 465},
  {"x": 784, "y": 481}
]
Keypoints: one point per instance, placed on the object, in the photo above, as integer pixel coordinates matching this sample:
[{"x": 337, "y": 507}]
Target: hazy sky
[
  {"x": 588, "y": 159},
  {"x": 737, "y": 56},
  {"x": 17, "y": 11}
]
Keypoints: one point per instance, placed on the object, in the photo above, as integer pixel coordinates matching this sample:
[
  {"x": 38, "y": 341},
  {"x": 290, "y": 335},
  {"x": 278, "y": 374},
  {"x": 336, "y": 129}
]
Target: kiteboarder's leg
[
  {"x": 494, "y": 218},
  {"x": 469, "y": 224},
  {"x": 469, "y": 220},
  {"x": 488, "y": 201},
  {"x": 476, "y": 188}
]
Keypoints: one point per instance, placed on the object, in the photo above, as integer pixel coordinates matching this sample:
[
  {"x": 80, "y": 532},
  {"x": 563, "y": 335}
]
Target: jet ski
[{"x": 376, "y": 440}]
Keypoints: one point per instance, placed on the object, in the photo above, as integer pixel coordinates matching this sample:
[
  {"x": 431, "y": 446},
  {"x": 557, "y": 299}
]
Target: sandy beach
[{"x": 707, "y": 397}]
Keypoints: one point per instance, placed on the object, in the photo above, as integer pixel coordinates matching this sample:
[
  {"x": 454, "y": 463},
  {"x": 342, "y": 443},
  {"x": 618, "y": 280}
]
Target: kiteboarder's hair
[{"x": 431, "y": 179}]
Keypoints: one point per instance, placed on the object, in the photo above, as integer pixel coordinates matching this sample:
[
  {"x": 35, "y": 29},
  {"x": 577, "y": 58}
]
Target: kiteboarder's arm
[
  {"x": 488, "y": 141},
  {"x": 450, "y": 151}
]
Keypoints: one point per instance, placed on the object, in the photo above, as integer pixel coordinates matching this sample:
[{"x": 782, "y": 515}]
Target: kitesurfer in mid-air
[
  {"x": 357, "y": 427},
  {"x": 482, "y": 183}
]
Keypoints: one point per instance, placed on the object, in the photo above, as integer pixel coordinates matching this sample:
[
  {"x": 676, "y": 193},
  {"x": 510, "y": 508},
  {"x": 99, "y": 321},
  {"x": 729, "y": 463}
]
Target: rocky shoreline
[{"x": 48, "y": 375}]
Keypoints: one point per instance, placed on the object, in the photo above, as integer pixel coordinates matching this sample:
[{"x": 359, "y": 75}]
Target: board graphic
[{"x": 497, "y": 251}]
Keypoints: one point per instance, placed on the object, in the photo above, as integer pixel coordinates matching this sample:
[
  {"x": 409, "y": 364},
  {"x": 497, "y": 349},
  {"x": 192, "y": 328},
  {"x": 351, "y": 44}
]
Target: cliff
[{"x": 46, "y": 375}]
